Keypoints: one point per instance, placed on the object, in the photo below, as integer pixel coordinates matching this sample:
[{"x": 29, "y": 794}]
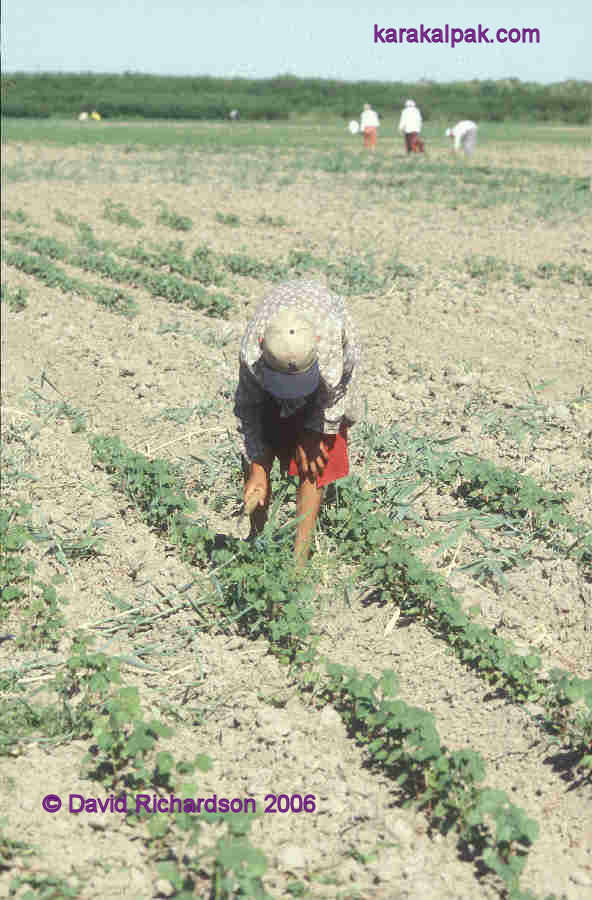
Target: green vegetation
[
  {"x": 253, "y": 587},
  {"x": 133, "y": 95},
  {"x": 120, "y": 214},
  {"x": 275, "y": 221},
  {"x": 403, "y": 740},
  {"x": 375, "y": 541},
  {"x": 256, "y": 589},
  {"x": 91, "y": 257},
  {"x": 16, "y": 299},
  {"x": 169, "y": 273},
  {"x": 40, "y": 616},
  {"x": 227, "y": 219},
  {"x": 51, "y": 275},
  {"x": 173, "y": 219},
  {"x": 387, "y": 559},
  {"x": 348, "y": 275}
]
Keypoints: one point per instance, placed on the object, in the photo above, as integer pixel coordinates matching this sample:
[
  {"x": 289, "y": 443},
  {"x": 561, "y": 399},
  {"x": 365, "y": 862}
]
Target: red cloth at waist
[{"x": 281, "y": 434}]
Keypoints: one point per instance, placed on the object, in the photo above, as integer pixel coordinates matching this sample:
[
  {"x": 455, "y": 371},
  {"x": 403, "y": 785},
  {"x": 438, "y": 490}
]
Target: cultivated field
[{"x": 419, "y": 700}]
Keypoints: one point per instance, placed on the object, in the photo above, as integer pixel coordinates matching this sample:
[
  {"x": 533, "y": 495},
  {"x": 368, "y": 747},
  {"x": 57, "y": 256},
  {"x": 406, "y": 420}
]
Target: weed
[
  {"x": 204, "y": 264},
  {"x": 173, "y": 219},
  {"x": 59, "y": 409},
  {"x": 395, "y": 269},
  {"x": 356, "y": 276},
  {"x": 485, "y": 268},
  {"x": 179, "y": 415},
  {"x": 115, "y": 211},
  {"x": 274, "y": 221},
  {"x": 153, "y": 486},
  {"x": 568, "y": 274},
  {"x": 65, "y": 218},
  {"x": 521, "y": 280},
  {"x": 22, "y": 721},
  {"x": 17, "y": 215},
  {"x": 338, "y": 162},
  {"x": 227, "y": 219},
  {"x": 17, "y": 451},
  {"x": 170, "y": 328},
  {"x": 47, "y": 887},
  {"x": 529, "y": 418},
  {"x": 43, "y": 245},
  {"x": 241, "y": 264},
  {"x": 86, "y": 546},
  {"x": 214, "y": 339},
  {"x": 15, "y": 299},
  {"x": 11, "y": 849},
  {"x": 14, "y": 574}
]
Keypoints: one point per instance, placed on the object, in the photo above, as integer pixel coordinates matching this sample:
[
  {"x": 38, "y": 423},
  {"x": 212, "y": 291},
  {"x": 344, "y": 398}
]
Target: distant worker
[
  {"x": 95, "y": 116},
  {"x": 369, "y": 122},
  {"x": 234, "y": 115},
  {"x": 83, "y": 117},
  {"x": 410, "y": 126},
  {"x": 464, "y": 135}
]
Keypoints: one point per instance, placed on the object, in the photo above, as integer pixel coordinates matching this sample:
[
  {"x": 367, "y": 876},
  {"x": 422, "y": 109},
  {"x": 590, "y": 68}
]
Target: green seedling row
[
  {"x": 254, "y": 592},
  {"x": 404, "y": 742},
  {"x": 387, "y": 560},
  {"x": 55, "y": 277},
  {"x": 91, "y": 702},
  {"x": 348, "y": 275},
  {"x": 200, "y": 267},
  {"x": 257, "y": 590},
  {"x": 519, "y": 501},
  {"x": 169, "y": 287}
]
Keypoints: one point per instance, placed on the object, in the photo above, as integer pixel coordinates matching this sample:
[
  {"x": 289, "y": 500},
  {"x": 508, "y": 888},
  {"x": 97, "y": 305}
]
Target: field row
[
  {"x": 256, "y": 590},
  {"x": 171, "y": 274}
]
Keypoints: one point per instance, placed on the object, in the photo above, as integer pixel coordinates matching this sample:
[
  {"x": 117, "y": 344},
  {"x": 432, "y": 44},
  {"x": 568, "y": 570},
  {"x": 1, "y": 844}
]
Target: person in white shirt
[
  {"x": 410, "y": 126},
  {"x": 464, "y": 135},
  {"x": 369, "y": 122}
]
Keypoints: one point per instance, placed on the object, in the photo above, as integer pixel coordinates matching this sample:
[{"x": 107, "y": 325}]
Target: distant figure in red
[
  {"x": 410, "y": 125},
  {"x": 369, "y": 122}
]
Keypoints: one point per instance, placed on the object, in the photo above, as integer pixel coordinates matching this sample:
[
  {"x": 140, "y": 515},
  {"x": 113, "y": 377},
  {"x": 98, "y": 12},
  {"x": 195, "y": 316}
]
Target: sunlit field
[
  {"x": 411, "y": 714},
  {"x": 298, "y": 134}
]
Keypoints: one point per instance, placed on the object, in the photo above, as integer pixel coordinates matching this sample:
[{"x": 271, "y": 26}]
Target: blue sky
[{"x": 263, "y": 39}]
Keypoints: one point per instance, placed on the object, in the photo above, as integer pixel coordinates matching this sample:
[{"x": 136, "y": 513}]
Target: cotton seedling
[
  {"x": 16, "y": 299},
  {"x": 104, "y": 263},
  {"x": 173, "y": 220},
  {"x": 259, "y": 594},
  {"x": 117, "y": 212},
  {"x": 51, "y": 275},
  {"x": 250, "y": 591},
  {"x": 379, "y": 528},
  {"x": 227, "y": 219}
]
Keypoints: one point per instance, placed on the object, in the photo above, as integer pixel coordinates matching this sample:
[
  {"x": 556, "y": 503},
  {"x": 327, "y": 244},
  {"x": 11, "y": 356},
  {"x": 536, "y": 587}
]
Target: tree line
[{"x": 284, "y": 97}]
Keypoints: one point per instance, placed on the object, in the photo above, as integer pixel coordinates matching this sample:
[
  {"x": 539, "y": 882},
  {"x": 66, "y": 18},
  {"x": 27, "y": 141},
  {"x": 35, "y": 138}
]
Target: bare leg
[
  {"x": 308, "y": 503},
  {"x": 258, "y": 517}
]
